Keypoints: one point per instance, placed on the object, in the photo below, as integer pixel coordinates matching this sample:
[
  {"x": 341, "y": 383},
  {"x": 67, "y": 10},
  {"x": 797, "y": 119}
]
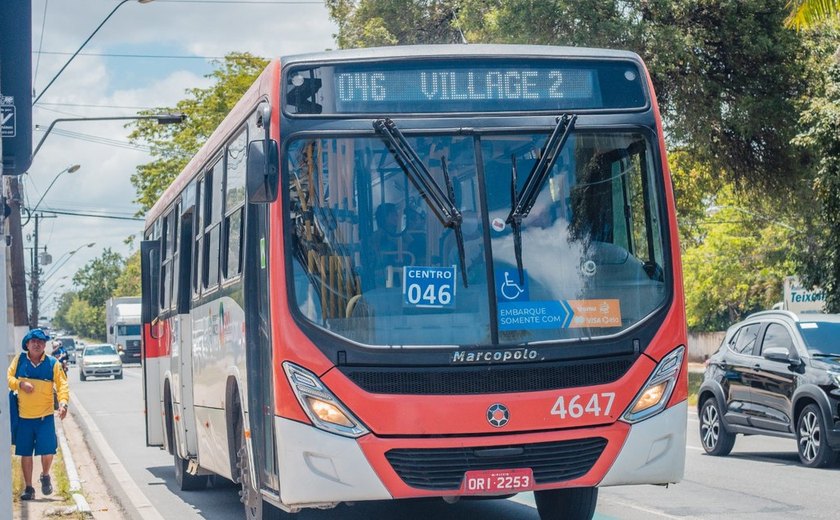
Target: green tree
[
  {"x": 85, "y": 319},
  {"x": 716, "y": 103},
  {"x": 820, "y": 261},
  {"x": 65, "y": 300},
  {"x": 373, "y": 23},
  {"x": 128, "y": 282},
  {"x": 694, "y": 185},
  {"x": 805, "y": 14},
  {"x": 97, "y": 280},
  {"x": 172, "y": 146},
  {"x": 737, "y": 269}
]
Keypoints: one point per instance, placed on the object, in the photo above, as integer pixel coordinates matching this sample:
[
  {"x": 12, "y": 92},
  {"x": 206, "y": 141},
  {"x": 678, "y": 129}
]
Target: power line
[
  {"x": 93, "y": 215},
  {"x": 55, "y": 110},
  {"x": 143, "y": 56},
  {"x": 86, "y": 105},
  {"x": 41, "y": 42},
  {"x": 101, "y": 140}
]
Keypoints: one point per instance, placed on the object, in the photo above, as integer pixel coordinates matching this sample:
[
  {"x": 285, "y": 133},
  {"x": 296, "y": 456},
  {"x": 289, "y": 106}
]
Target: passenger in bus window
[
  {"x": 415, "y": 234},
  {"x": 387, "y": 234},
  {"x": 389, "y": 245}
]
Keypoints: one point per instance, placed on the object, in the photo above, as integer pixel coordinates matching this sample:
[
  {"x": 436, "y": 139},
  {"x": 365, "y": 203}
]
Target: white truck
[{"x": 122, "y": 322}]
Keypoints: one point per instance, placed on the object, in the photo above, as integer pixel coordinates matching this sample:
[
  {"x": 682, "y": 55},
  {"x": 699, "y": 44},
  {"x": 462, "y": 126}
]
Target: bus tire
[
  {"x": 186, "y": 481},
  {"x": 567, "y": 504},
  {"x": 255, "y": 507},
  {"x": 169, "y": 422}
]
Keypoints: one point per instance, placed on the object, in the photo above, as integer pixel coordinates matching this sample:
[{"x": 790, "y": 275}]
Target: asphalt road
[{"x": 761, "y": 479}]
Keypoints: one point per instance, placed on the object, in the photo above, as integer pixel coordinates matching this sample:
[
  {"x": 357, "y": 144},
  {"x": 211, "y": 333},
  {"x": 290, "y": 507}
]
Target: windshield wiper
[
  {"x": 442, "y": 205},
  {"x": 522, "y": 202}
]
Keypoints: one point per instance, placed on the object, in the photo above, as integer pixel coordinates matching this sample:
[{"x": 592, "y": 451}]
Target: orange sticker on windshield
[{"x": 595, "y": 313}]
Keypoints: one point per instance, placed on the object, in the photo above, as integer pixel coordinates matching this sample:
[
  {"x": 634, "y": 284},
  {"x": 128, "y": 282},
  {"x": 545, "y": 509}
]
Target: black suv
[{"x": 776, "y": 373}]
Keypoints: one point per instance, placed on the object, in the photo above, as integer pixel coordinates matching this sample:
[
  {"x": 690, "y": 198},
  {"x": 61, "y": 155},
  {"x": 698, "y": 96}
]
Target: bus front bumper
[{"x": 320, "y": 469}]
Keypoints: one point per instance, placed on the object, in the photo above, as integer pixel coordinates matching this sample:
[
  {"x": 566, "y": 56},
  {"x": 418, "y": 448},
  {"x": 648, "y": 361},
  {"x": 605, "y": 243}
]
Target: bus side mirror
[{"x": 261, "y": 176}]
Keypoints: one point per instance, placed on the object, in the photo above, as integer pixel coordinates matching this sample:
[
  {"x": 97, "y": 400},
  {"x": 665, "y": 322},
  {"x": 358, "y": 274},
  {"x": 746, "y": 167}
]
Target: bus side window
[
  {"x": 164, "y": 272},
  {"x": 173, "y": 260},
  {"x": 234, "y": 201},
  {"x": 212, "y": 218},
  {"x": 199, "y": 232}
]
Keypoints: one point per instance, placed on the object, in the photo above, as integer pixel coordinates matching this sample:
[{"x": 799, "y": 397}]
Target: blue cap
[{"x": 34, "y": 334}]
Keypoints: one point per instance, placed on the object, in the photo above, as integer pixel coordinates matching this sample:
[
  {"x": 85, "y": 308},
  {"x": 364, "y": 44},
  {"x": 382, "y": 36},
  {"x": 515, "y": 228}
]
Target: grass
[
  {"x": 694, "y": 380},
  {"x": 61, "y": 485}
]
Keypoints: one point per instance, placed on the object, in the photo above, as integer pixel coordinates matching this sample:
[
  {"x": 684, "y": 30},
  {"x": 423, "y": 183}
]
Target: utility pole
[
  {"x": 35, "y": 274},
  {"x": 34, "y": 279},
  {"x": 18, "y": 274}
]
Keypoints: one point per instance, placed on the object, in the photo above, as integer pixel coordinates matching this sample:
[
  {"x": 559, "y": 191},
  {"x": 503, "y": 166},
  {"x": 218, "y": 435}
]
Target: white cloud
[{"x": 161, "y": 27}]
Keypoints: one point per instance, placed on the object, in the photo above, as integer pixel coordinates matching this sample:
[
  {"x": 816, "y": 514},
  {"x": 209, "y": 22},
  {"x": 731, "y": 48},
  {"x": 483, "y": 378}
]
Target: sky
[{"x": 145, "y": 56}]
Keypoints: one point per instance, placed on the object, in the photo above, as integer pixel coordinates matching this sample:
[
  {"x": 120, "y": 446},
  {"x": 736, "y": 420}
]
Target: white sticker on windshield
[{"x": 809, "y": 325}]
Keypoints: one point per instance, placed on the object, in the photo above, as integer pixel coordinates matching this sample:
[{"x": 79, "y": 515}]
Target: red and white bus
[{"x": 434, "y": 271}]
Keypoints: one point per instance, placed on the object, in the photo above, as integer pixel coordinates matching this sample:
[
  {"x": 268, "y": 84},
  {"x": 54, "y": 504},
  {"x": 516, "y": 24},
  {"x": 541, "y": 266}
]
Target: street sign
[{"x": 8, "y": 123}]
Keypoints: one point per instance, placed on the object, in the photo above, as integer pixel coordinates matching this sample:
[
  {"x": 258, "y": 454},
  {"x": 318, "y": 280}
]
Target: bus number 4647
[{"x": 598, "y": 405}]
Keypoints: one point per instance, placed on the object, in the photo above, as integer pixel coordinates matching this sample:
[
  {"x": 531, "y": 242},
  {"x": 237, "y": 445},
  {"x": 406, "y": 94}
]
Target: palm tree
[{"x": 808, "y": 13}]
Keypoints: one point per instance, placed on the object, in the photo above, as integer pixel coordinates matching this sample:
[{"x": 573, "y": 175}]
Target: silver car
[{"x": 100, "y": 360}]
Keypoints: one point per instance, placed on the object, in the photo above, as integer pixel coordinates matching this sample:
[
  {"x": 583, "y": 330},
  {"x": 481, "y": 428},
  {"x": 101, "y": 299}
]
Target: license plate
[{"x": 498, "y": 481}]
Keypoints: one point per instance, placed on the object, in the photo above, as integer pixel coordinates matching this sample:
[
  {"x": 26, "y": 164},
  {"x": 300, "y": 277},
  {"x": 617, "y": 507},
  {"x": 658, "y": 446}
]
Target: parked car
[
  {"x": 69, "y": 345},
  {"x": 100, "y": 360},
  {"x": 776, "y": 373}
]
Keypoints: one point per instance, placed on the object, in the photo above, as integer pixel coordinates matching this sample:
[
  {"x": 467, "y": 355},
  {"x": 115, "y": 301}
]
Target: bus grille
[
  {"x": 486, "y": 380},
  {"x": 443, "y": 469}
]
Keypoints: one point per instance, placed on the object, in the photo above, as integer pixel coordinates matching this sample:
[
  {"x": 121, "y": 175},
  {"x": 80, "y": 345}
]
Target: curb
[
  {"x": 134, "y": 503},
  {"x": 82, "y": 505}
]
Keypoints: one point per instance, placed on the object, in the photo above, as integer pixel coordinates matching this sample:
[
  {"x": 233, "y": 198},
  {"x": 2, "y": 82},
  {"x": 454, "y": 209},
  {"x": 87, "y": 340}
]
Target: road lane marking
[
  {"x": 648, "y": 510},
  {"x": 138, "y": 500}
]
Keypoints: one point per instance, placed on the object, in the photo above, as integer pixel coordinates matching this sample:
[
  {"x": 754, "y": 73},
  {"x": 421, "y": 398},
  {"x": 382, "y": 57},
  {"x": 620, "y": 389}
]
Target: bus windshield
[{"x": 373, "y": 263}]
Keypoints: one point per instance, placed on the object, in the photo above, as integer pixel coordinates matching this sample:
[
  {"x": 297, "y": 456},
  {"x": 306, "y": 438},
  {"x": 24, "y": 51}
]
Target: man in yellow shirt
[{"x": 33, "y": 376}]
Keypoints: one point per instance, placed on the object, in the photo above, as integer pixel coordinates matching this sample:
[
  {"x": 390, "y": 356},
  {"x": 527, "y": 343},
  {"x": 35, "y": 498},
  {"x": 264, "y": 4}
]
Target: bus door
[
  {"x": 151, "y": 348},
  {"x": 259, "y": 355},
  {"x": 182, "y": 365}
]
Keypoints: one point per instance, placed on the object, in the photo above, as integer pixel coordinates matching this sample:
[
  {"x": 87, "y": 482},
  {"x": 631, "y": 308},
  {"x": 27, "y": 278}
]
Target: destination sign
[{"x": 465, "y": 86}]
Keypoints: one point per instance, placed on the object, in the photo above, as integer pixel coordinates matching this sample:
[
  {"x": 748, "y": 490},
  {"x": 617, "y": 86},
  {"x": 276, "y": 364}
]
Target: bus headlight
[
  {"x": 658, "y": 389},
  {"x": 324, "y": 410}
]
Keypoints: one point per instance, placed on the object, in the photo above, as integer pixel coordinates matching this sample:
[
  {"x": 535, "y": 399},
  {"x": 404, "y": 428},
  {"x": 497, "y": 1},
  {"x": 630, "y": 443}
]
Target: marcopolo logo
[{"x": 494, "y": 356}]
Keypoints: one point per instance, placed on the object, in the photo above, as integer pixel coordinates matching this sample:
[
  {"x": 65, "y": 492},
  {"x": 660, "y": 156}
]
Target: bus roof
[{"x": 459, "y": 50}]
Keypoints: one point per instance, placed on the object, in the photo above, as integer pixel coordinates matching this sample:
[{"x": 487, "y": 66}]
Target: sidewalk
[{"x": 96, "y": 501}]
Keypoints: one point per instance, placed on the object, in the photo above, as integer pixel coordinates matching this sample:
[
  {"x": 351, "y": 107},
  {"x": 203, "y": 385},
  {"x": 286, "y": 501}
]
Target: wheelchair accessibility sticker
[
  {"x": 518, "y": 312},
  {"x": 430, "y": 287},
  {"x": 509, "y": 288}
]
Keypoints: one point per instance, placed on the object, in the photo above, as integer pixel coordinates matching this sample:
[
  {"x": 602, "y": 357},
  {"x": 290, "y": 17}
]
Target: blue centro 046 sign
[{"x": 429, "y": 287}]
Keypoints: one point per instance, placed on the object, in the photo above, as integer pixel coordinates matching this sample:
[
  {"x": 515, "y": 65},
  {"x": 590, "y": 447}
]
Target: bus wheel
[
  {"x": 249, "y": 495},
  {"x": 186, "y": 481},
  {"x": 567, "y": 504}
]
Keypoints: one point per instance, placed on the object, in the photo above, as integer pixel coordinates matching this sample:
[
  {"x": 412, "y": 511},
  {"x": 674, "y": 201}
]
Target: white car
[{"x": 100, "y": 360}]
